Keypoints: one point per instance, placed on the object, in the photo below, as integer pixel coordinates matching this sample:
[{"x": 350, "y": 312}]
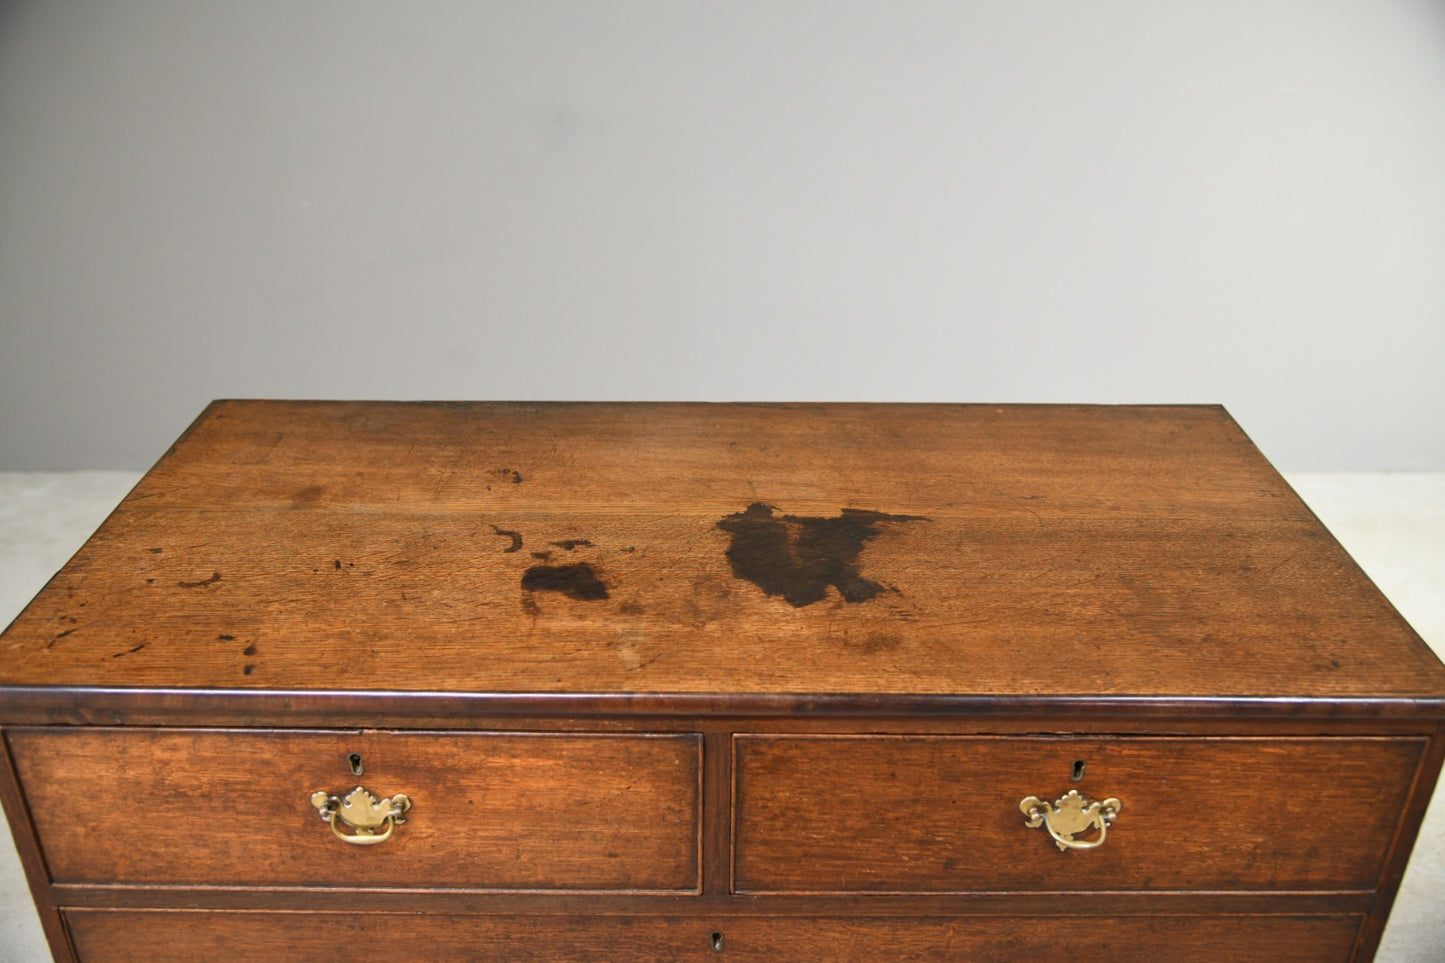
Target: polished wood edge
[
  {"x": 32, "y": 860},
  {"x": 220, "y": 403},
  {"x": 1088, "y": 904},
  {"x": 1406, "y": 833},
  {"x": 80, "y": 705},
  {"x": 700, "y": 807},
  {"x": 729, "y": 856}
]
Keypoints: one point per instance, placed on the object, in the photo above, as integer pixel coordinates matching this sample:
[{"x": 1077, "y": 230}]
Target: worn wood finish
[
  {"x": 986, "y": 550},
  {"x": 121, "y": 937},
  {"x": 490, "y": 811},
  {"x": 1399, "y": 854},
  {"x": 940, "y": 814},
  {"x": 648, "y": 672},
  {"x": 36, "y": 875}
]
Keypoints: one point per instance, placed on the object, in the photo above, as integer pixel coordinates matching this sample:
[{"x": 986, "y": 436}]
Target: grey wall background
[{"x": 1239, "y": 201}]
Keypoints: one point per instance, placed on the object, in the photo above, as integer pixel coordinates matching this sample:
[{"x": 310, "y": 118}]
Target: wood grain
[
  {"x": 1052, "y": 550},
  {"x": 490, "y": 811},
  {"x": 130, "y": 937},
  {"x": 829, "y": 814}
]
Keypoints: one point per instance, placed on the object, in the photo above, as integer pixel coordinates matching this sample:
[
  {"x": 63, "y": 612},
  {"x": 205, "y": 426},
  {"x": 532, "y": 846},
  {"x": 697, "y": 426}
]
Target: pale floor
[{"x": 1393, "y": 524}]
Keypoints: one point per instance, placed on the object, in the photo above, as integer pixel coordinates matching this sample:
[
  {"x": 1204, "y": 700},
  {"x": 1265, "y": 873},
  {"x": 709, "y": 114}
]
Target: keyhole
[
  {"x": 354, "y": 761},
  {"x": 716, "y": 940},
  {"x": 1078, "y": 769}
]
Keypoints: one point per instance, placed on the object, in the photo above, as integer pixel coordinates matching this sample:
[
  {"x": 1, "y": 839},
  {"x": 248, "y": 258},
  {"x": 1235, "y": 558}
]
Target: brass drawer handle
[
  {"x": 364, "y": 813},
  {"x": 1070, "y": 815}
]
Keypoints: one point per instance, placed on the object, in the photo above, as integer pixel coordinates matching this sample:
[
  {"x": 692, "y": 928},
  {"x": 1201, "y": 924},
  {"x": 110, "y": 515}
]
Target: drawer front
[
  {"x": 941, "y": 814},
  {"x": 158, "y": 937},
  {"x": 508, "y": 811}
]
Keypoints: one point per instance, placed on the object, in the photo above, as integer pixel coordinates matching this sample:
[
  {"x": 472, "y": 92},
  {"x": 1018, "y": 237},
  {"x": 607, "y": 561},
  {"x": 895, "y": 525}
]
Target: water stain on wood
[
  {"x": 797, "y": 557},
  {"x": 215, "y": 577},
  {"x": 577, "y": 581},
  {"x": 572, "y": 544},
  {"x": 516, "y": 538}
]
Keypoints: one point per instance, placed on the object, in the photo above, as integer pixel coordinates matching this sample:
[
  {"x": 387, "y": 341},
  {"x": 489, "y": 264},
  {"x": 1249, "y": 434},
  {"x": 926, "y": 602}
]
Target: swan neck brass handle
[
  {"x": 370, "y": 820},
  {"x": 1070, "y": 815}
]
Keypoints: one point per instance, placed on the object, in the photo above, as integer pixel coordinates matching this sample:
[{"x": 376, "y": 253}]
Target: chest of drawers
[{"x": 711, "y": 682}]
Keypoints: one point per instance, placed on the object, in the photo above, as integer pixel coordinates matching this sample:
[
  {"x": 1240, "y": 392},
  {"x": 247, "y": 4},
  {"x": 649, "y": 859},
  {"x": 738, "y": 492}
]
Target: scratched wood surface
[{"x": 1029, "y": 550}]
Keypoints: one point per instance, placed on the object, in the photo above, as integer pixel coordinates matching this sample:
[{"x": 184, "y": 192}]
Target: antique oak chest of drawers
[{"x": 701, "y": 682}]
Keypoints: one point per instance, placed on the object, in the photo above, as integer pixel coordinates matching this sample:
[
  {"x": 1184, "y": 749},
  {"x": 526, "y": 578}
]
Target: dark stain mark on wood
[
  {"x": 542, "y": 555},
  {"x": 516, "y": 476},
  {"x": 150, "y": 581},
  {"x": 574, "y": 581},
  {"x": 155, "y": 551},
  {"x": 249, "y": 650},
  {"x": 873, "y": 644},
  {"x": 337, "y": 564},
  {"x": 117, "y": 655},
  {"x": 631, "y": 608},
  {"x": 529, "y": 605},
  {"x": 307, "y": 495},
  {"x": 516, "y": 538},
  {"x": 226, "y": 638},
  {"x": 797, "y": 558},
  {"x": 215, "y": 577},
  {"x": 248, "y": 668},
  {"x": 572, "y": 544},
  {"x": 58, "y": 636}
]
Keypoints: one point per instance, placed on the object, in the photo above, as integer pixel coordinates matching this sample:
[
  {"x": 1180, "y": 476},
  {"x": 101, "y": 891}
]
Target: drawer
[
  {"x": 862, "y": 814},
  {"x": 102, "y": 936},
  {"x": 503, "y": 811}
]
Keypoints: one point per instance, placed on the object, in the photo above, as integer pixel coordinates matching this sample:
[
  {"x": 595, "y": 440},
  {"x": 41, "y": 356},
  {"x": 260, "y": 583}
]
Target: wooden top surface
[{"x": 916, "y": 550}]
